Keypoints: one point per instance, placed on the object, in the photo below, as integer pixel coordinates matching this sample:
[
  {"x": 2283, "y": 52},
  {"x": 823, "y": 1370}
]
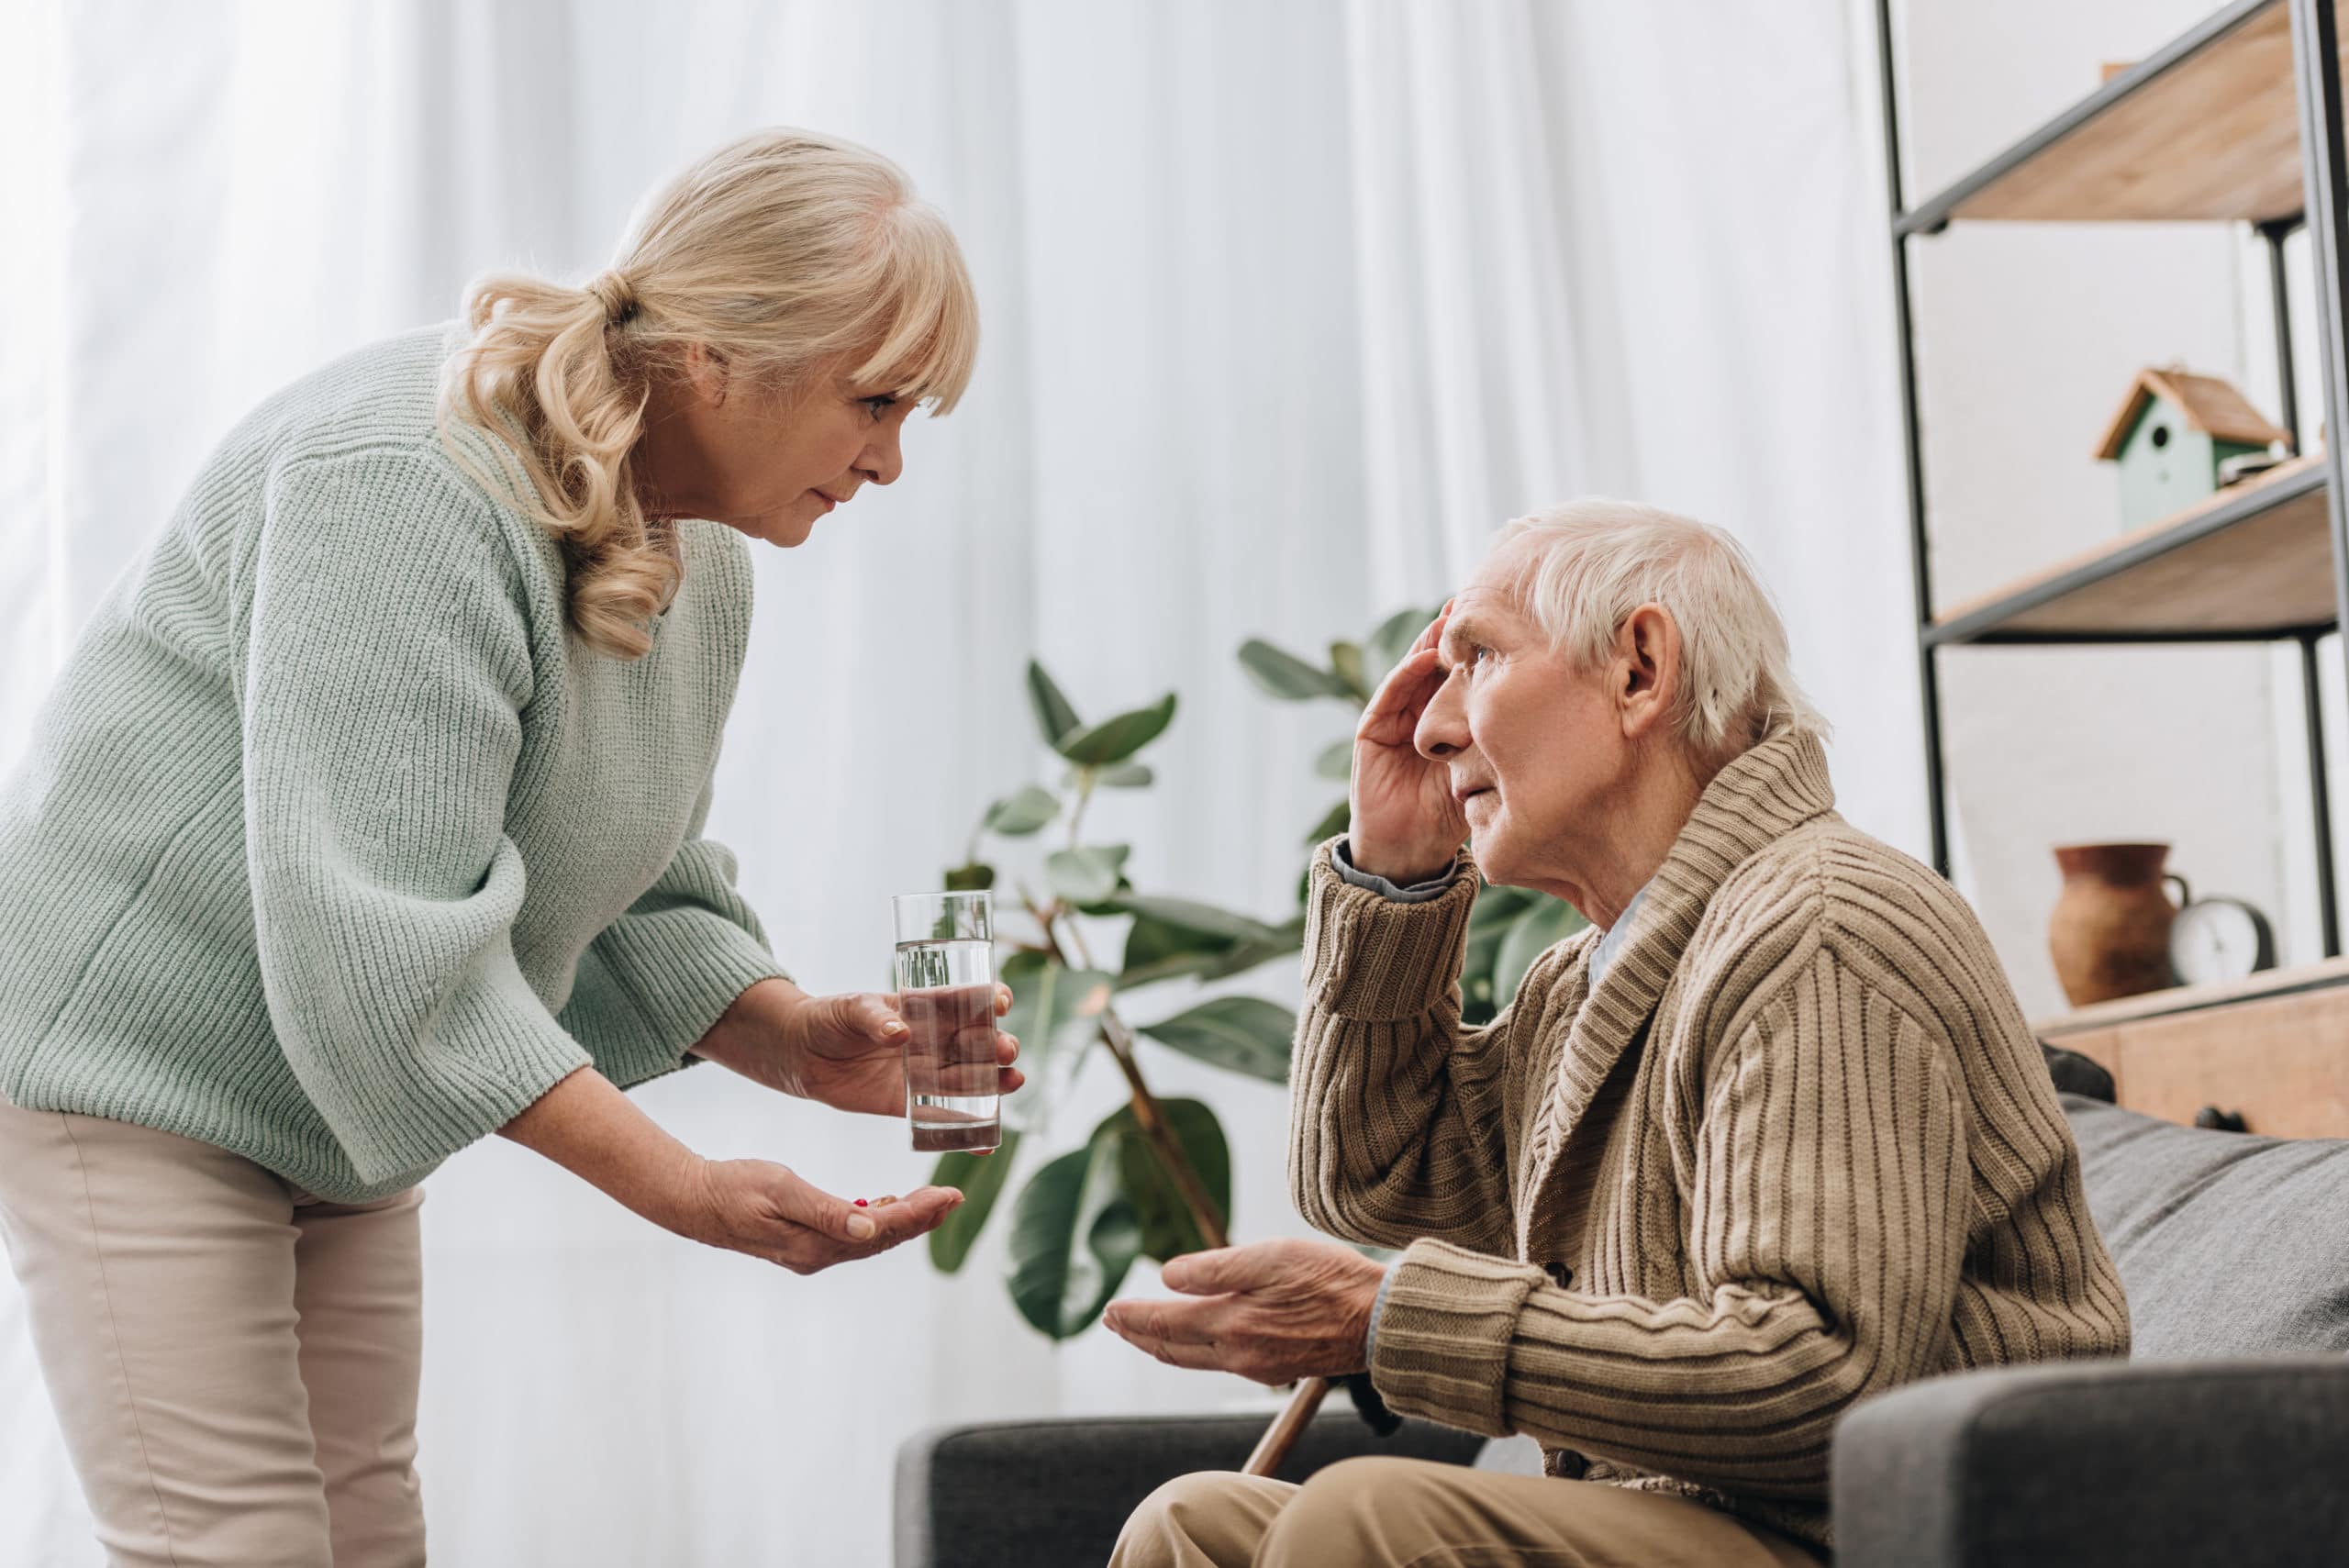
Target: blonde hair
[
  {"x": 786, "y": 253},
  {"x": 1586, "y": 565}
]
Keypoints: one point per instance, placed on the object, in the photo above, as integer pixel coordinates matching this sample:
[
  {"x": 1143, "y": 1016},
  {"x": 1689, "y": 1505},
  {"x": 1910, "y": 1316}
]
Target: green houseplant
[{"x": 1153, "y": 1179}]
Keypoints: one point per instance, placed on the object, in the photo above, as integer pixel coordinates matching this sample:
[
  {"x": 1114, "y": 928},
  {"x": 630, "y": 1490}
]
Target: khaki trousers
[
  {"x": 1411, "y": 1513},
  {"x": 233, "y": 1362}
]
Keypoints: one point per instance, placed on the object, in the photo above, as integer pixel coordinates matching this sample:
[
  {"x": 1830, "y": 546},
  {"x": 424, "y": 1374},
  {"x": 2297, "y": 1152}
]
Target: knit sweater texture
[
  {"x": 333, "y": 845},
  {"x": 1796, "y": 1148}
]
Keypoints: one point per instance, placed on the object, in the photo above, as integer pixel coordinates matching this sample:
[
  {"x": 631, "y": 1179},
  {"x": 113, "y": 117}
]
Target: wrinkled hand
[
  {"x": 766, "y": 1211},
  {"x": 847, "y": 1051},
  {"x": 1275, "y": 1311},
  {"x": 1406, "y": 825}
]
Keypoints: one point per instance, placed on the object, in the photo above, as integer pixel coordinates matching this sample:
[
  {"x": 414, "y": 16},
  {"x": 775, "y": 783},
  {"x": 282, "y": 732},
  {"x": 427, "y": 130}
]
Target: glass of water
[{"x": 946, "y": 995}]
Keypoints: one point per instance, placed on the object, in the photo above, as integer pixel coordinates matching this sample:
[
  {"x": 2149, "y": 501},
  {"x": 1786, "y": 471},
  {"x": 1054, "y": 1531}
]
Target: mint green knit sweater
[{"x": 333, "y": 847}]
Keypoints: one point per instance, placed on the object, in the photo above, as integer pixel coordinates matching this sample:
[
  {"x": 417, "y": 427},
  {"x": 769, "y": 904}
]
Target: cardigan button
[{"x": 1560, "y": 1275}]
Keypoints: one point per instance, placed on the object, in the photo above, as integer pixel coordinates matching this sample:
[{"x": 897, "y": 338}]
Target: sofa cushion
[{"x": 2229, "y": 1244}]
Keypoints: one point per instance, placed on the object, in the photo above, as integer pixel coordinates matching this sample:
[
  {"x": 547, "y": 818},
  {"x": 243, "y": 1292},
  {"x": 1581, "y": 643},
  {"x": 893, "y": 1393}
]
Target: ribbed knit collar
[{"x": 1758, "y": 799}]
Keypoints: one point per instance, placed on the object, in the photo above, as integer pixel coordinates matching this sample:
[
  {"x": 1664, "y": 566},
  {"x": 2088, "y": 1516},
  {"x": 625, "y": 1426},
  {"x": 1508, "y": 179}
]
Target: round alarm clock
[{"x": 2220, "y": 939}]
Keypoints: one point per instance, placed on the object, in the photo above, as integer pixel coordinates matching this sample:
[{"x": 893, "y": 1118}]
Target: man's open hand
[{"x": 1275, "y": 1311}]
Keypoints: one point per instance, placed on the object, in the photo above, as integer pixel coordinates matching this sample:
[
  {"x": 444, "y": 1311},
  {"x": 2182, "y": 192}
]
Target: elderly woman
[
  {"x": 366, "y": 820},
  {"x": 1770, "y": 1138}
]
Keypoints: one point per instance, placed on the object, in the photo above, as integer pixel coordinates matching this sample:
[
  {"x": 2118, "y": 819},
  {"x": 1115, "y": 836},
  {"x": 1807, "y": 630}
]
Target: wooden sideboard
[{"x": 2274, "y": 1049}]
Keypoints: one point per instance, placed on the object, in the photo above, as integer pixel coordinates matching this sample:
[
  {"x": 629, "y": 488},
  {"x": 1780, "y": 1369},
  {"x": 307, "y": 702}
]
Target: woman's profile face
[{"x": 767, "y": 464}]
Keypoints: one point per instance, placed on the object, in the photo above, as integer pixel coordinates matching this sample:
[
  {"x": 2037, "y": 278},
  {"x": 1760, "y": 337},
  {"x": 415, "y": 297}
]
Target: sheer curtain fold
[
  {"x": 1287, "y": 304},
  {"x": 1470, "y": 406}
]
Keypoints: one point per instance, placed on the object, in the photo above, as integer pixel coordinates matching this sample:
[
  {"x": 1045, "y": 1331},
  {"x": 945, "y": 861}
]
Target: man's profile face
[{"x": 1532, "y": 744}]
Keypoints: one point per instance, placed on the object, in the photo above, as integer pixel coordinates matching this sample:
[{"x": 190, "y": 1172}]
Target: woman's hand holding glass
[{"x": 846, "y": 1050}]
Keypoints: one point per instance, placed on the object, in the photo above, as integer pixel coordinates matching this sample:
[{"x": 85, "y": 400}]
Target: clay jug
[{"x": 2110, "y": 934}]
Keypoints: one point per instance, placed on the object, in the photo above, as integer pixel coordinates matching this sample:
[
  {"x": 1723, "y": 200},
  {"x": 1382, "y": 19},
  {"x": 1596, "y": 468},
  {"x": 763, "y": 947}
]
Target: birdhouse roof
[{"x": 2209, "y": 404}]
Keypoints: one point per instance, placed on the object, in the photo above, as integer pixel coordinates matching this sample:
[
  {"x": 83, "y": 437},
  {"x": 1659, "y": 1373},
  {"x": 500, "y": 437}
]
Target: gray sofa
[{"x": 2224, "y": 1442}]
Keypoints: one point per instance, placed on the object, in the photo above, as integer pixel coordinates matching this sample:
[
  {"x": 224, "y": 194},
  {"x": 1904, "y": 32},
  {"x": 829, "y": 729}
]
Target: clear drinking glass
[{"x": 946, "y": 994}]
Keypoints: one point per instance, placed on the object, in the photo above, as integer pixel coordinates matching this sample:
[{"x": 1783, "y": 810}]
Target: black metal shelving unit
[{"x": 2078, "y": 167}]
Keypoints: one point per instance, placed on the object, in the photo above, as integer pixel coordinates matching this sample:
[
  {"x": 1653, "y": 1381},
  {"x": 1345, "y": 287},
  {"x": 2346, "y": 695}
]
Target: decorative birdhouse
[{"x": 2173, "y": 431}]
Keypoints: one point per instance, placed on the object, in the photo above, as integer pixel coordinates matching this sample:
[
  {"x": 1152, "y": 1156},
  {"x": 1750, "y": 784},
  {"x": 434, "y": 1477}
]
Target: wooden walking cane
[{"x": 1273, "y": 1448}]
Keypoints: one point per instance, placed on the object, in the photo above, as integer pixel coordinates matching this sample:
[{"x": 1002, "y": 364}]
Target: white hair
[{"x": 1581, "y": 569}]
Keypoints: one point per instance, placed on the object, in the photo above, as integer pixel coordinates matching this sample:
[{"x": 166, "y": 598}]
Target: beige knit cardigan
[{"x": 1799, "y": 1148}]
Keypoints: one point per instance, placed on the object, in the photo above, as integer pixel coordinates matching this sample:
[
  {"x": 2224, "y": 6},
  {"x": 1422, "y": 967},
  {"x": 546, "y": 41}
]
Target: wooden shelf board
[
  {"x": 2272, "y": 1048},
  {"x": 2207, "y": 128},
  {"x": 2253, "y": 560},
  {"x": 2269, "y": 983}
]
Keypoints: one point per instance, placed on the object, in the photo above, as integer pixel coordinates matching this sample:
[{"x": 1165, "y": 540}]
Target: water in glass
[{"x": 946, "y": 995}]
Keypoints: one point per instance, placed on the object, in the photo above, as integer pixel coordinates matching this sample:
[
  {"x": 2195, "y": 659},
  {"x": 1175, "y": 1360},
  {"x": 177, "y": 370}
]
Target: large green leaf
[
  {"x": 1057, "y": 1014},
  {"x": 1158, "y": 949},
  {"x": 1168, "y": 1230},
  {"x": 1122, "y": 775},
  {"x": 1055, "y": 716},
  {"x": 1175, "y": 936},
  {"x": 1334, "y": 822},
  {"x": 1550, "y": 920},
  {"x": 1073, "y": 1235},
  {"x": 1242, "y": 1034},
  {"x": 1237, "y": 958},
  {"x": 973, "y": 878},
  {"x": 1035, "y": 981},
  {"x": 981, "y": 1178},
  {"x": 1080, "y": 1224},
  {"x": 1086, "y": 875},
  {"x": 1201, "y": 919},
  {"x": 1114, "y": 740},
  {"x": 1284, "y": 942},
  {"x": 1285, "y": 676},
  {"x": 1391, "y": 641},
  {"x": 1345, "y": 663},
  {"x": 1497, "y": 910},
  {"x": 1024, "y": 813},
  {"x": 1336, "y": 761},
  {"x": 1172, "y": 937}
]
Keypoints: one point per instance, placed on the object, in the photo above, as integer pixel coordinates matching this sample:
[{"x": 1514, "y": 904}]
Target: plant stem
[
  {"x": 1151, "y": 1119},
  {"x": 1086, "y": 779},
  {"x": 1149, "y": 1115},
  {"x": 1075, "y": 937}
]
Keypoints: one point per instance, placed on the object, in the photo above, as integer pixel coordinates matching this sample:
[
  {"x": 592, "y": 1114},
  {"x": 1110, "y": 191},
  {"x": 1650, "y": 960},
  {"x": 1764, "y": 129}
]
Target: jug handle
[{"x": 2184, "y": 896}]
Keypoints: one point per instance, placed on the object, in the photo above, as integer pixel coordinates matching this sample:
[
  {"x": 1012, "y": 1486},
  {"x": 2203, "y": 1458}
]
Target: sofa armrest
[
  {"x": 1049, "y": 1492},
  {"x": 2179, "y": 1464}
]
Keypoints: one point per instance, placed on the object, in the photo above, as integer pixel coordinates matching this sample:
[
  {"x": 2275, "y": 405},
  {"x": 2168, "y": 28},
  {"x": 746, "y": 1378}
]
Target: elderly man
[{"x": 1769, "y": 1139}]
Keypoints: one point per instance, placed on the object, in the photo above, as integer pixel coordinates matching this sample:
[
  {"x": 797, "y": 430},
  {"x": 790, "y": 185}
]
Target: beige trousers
[
  {"x": 1411, "y": 1513},
  {"x": 234, "y": 1361}
]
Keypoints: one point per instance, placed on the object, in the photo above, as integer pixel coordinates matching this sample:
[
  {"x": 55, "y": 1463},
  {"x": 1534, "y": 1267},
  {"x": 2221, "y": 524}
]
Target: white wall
[{"x": 2027, "y": 337}]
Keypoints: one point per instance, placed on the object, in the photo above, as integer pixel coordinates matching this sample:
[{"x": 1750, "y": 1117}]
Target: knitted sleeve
[
  {"x": 1395, "y": 1117},
  {"x": 1826, "y": 1234},
  {"x": 386, "y": 668},
  {"x": 654, "y": 980}
]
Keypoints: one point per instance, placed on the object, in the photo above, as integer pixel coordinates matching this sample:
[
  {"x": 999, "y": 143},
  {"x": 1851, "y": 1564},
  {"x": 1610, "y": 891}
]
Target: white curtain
[{"x": 1287, "y": 304}]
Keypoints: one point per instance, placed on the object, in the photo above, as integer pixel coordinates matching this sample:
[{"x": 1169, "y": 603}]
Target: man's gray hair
[{"x": 1581, "y": 569}]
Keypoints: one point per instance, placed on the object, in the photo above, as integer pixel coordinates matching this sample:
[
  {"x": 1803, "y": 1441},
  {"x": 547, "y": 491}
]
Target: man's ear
[{"x": 1647, "y": 669}]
